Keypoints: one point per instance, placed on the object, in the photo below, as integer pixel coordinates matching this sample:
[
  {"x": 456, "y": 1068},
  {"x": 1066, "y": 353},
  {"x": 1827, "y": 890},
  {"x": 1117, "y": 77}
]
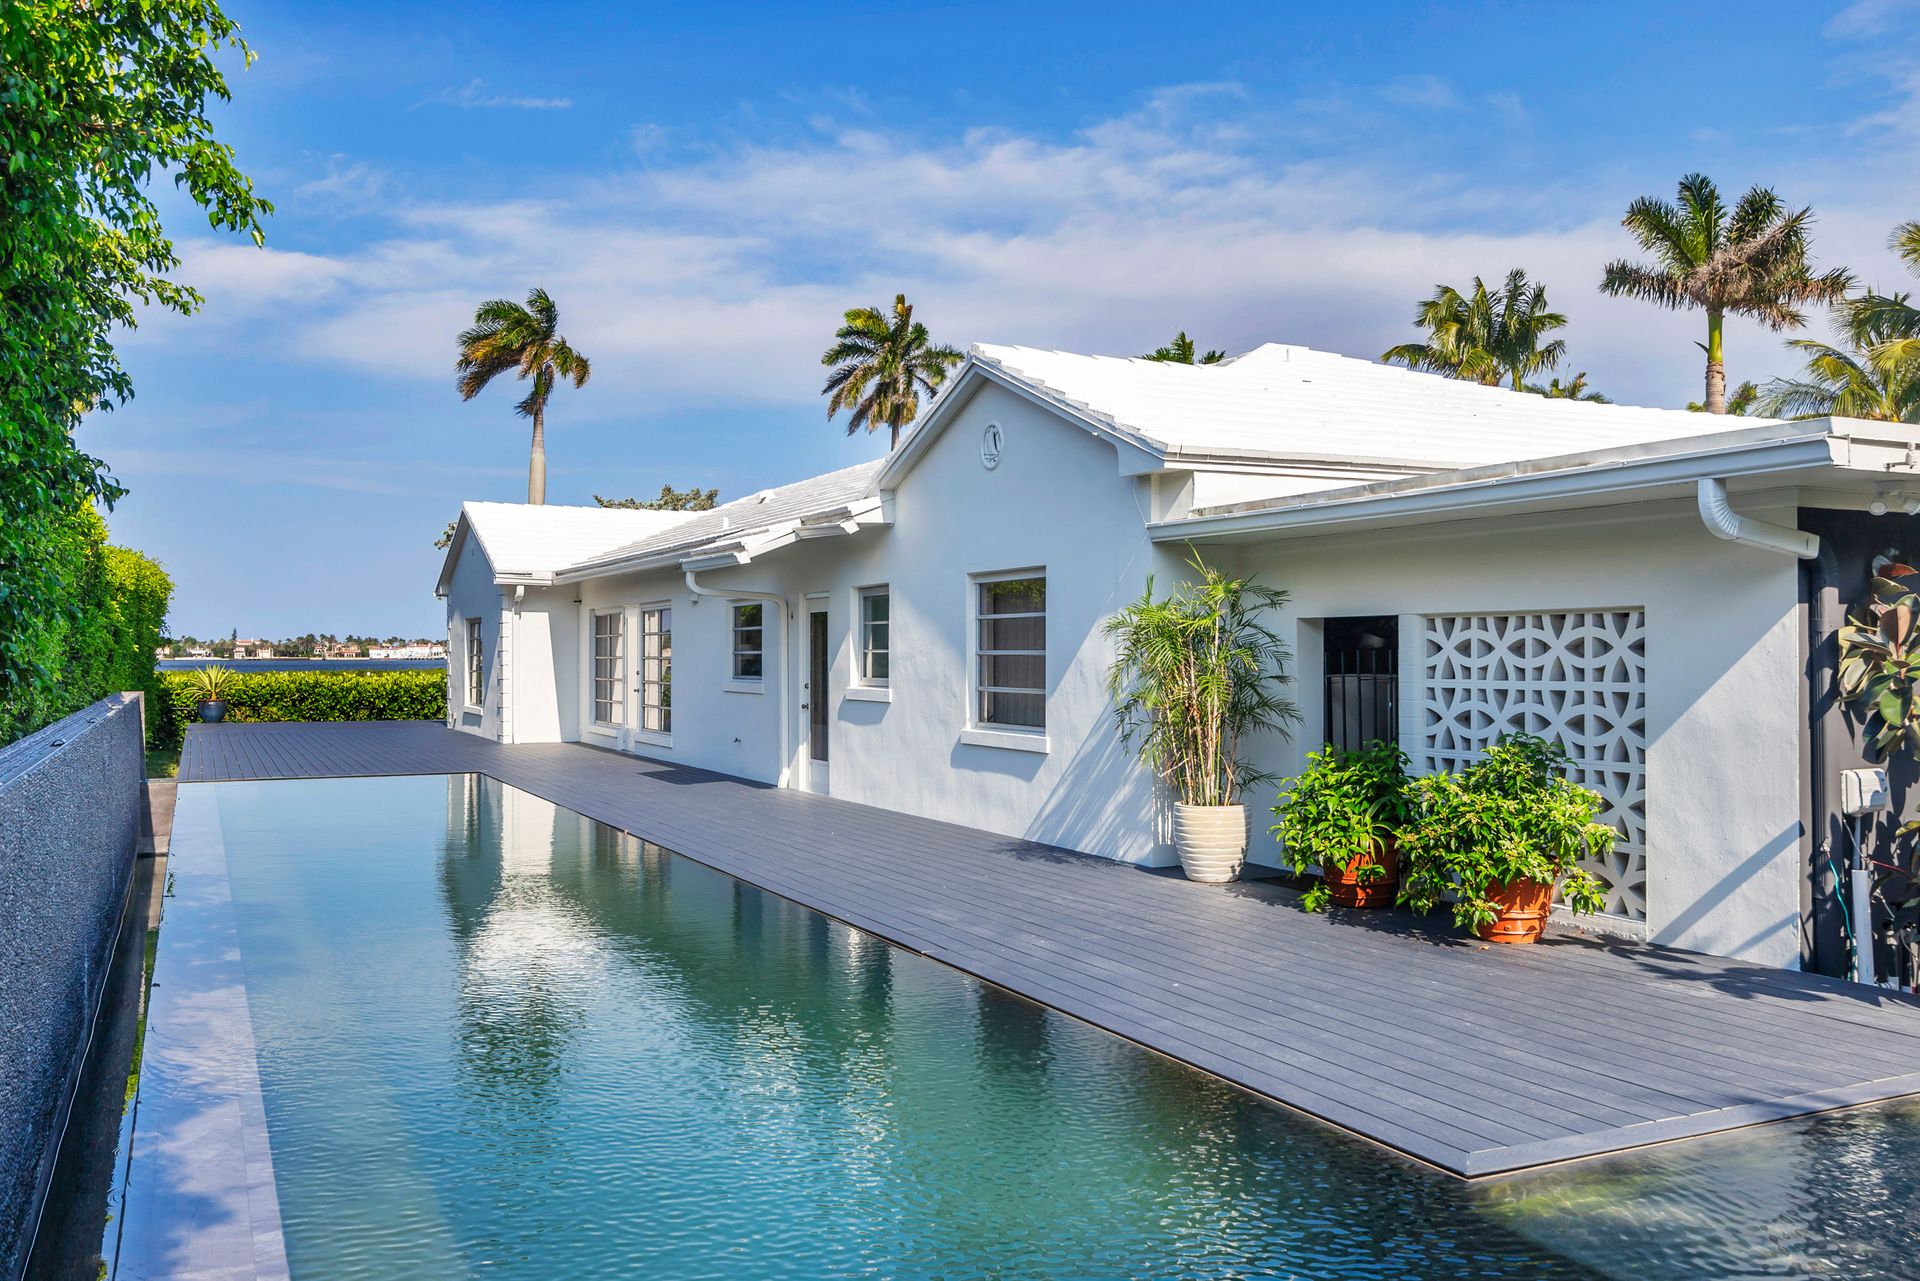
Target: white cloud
[
  {"x": 477, "y": 93},
  {"x": 1427, "y": 91},
  {"x": 1509, "y": 105},
  {"x": 1867, "y": 18},
  {"x": 349, "y": 184},
  {"x": 715, "y": 281}
]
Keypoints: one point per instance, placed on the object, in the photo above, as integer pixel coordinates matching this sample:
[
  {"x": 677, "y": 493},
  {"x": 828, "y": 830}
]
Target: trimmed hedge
[
  {"x": 407, "y": 695},
  {"x": 100, "y": 641}
]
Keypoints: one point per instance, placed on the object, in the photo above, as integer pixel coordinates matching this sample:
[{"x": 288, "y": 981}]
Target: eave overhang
[
  {"x": 740, "y": 547},
  {"x": 1841, "y": 456}
]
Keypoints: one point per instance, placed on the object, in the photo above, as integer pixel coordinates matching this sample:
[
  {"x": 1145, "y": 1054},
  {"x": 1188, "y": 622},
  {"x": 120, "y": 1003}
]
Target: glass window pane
[
  {"x": 747, "y": 667},
  {"x": 1027, "y": 711},
  {"x": 878, "y": 665},
  {"x": 1013, "y": 633},
  {"x": 746, "y": 615},
  {"x": 1014, "y": 596},
  {"x": 1014, "y": 671}
]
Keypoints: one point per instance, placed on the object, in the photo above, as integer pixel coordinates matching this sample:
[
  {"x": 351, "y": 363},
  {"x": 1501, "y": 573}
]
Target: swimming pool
[{"x": 497, "y": 1039}]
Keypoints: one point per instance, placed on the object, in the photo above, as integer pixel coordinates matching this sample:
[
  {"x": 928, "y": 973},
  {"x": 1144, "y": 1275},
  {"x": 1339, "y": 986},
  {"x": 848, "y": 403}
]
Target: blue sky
[{"x": 704, "y": 190}]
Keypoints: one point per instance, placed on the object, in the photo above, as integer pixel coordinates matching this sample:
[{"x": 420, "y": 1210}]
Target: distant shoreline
[{"x": 305, "y": 664}]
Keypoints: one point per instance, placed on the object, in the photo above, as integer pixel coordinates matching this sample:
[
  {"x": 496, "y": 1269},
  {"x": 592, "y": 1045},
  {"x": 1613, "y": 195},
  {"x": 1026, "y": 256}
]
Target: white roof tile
[
  {"x": 729, "y": 522},
  {"x": 1280, "y": 401},
  {"x": 520, "y": 538}
]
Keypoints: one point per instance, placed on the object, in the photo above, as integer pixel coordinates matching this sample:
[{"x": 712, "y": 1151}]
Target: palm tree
[
  {"x": 1574, "y": 388},
  {"x": 1744, "y": 398},
  {"x": 506, "y": 336},
  {"x": 1181, "y": 352},
  {"x": 1893, "y": 316},
  {"x": 1489, "y": 338},
  {"x": 1750, "y": 262},
  {"x": 1877, "y": 374},
  {"x": 1867, "y": 381},
  {"x": 881, "y": 367}
]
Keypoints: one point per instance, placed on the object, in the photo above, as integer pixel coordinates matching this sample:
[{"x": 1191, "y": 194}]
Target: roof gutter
[
  {"x": 1717, "y": 514},
  {"x": 787, "y": 747},
  {"x": 1500, "y": 486}
]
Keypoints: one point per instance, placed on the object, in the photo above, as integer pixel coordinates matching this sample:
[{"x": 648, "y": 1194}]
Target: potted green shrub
[
  {"x": 209, "y": 685},
  {"x": 1342, "y": 815},
  {"x": 1192, "y": 678},
  {"x": 1500, "y": 836}
]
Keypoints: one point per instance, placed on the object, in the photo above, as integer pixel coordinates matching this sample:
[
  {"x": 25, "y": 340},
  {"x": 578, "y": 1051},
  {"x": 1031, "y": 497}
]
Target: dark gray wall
[
  {"x": 1849, "y": 542},
  {"x": 69, "y": 823}
]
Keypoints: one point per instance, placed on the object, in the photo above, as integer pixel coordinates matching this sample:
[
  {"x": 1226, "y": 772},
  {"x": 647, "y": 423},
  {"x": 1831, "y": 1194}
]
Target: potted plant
[
  {"x": 1193, "y": 677},
  {"x": 1343, "y": 814},
  {"x": 1500, "y": 836},
  {"x": 209, "y": 685}
]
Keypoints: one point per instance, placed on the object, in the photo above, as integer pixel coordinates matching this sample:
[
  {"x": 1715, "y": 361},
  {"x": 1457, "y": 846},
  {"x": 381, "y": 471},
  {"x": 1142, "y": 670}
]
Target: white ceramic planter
[{"x": 1211, "y": 840}]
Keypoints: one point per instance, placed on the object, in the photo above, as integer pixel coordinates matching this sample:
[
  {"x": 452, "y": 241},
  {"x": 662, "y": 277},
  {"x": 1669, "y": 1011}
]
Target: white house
[{"x": 923, "y": 632}]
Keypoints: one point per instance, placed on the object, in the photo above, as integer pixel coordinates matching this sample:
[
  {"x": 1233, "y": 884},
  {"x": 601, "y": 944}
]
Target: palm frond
[
  {"x": 508, "y": 336},
  {"x": 1623, "y": 279},
  {"x": 880, "y": 363}
]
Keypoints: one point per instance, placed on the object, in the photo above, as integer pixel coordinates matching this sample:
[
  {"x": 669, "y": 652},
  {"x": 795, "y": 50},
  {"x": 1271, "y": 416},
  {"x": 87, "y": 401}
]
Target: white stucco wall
[
  {"x": 472, "y": 594},
  {"x": 544, "y": 656},
  {"x": 1056, "y": 502},
  {"x": 1723, "y": 660},
  {"x": 1723, "y": 663}
]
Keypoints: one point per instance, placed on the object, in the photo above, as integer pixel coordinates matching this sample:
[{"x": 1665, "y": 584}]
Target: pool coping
[{"x": 200, "y": 1202}]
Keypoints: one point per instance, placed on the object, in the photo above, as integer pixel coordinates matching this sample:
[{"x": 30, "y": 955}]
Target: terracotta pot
[
  {"x": 1211, "y": 840},
  {"x": 1524, "y": 907},
  {"x": 1347, "y": 889}
]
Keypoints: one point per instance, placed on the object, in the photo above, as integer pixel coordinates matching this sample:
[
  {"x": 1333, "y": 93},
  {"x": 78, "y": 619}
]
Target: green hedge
[
  {"x": 101, "y": 638},
  {"x": 411, "y": 695}
]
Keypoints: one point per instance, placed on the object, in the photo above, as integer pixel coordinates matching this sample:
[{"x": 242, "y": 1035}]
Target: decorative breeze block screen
[{"x": 1578, "y": 679}]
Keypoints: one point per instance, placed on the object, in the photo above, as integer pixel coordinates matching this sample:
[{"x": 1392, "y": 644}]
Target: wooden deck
[{"x": 1479, "y": 1061}]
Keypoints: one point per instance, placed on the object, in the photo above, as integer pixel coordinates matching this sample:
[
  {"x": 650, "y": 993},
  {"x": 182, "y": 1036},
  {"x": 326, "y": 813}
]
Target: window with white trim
[
  {"x": 749, "y": 635},
  {"x": 876, "y": 608},
  {"x": 476, "y": 669},
  {"x": 656, "y": 670},
  {"x": 610, "y": 667},
  {"x": 1010, "y": 651}
]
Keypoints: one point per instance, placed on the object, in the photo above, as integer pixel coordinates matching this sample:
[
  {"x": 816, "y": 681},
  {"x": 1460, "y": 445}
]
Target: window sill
[
  {"x": 744, "y": 687},
  {"x": 870, "y": 693},
  {"x": 651, "y": 737},
  {"x": 1012, "y": 740},
  {"x": 475, "y": 708}
]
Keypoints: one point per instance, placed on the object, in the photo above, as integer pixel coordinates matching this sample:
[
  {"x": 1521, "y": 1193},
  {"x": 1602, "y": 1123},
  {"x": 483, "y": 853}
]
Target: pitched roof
[
  {"x": 522, "y": 540},
  {"x": 781, "y": 507},
  {"x": 1280, "y": 402}
]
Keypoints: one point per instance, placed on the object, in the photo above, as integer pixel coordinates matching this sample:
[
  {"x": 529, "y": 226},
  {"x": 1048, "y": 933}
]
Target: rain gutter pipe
[{"x": 1717, "y": 514}]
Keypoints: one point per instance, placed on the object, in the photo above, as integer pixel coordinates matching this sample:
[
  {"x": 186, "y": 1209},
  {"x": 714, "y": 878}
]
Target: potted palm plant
[
  {"x": 1500, "y": 836},
  {"x": 1343, "y": 814},
  {"x": 1193, "y": 677},
  {"x": 209, "y": 685}
]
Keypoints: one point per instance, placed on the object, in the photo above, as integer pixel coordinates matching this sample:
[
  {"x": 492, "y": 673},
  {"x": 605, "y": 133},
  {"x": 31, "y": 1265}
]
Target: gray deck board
[{"x": 1477, "y": 1060}]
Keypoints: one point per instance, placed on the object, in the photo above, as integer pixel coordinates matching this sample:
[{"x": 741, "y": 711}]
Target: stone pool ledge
[{"x": 200, "y": 1198}]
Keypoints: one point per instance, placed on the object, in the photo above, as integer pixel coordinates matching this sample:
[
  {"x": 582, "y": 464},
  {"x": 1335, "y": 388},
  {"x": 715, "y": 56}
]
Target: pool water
[{"x": 498, "y": 1039}]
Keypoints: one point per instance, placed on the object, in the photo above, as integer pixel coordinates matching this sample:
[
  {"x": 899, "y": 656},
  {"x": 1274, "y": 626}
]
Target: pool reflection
[{"x": 499, "y": 1038}]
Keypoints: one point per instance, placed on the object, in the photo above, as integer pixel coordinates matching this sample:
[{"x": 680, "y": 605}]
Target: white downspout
[
  {"x": 510, "y": 670},
  {"x": 1723, "y": 522},
  {"x": 780, "y": 670}
]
